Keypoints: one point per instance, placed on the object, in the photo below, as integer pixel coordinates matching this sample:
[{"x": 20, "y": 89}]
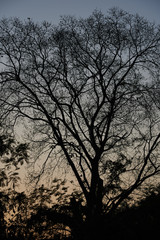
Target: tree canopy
[{"x": 89, "y": 89}]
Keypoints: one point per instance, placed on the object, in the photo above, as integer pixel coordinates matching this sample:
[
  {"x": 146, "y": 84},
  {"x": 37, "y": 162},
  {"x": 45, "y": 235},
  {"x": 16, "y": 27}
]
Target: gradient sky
[{"x": 51, "y": 10}]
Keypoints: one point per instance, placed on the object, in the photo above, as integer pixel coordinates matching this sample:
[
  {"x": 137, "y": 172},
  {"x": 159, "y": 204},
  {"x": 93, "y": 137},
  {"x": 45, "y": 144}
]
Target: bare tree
[{"x": 90, "y": 89}]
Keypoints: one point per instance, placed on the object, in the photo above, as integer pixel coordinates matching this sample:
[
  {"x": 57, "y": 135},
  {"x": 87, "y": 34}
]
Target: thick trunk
[{"x": 94, "y": 211}]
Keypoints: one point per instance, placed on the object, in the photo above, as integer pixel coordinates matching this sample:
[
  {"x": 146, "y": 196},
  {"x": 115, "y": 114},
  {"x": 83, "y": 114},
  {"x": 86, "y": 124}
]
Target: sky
[{"x": 51, "y": 10}]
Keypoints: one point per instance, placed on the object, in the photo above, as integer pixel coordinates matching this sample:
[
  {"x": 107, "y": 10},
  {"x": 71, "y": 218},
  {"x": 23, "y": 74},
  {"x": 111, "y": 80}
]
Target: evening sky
[{"x": 51, "y": 10}]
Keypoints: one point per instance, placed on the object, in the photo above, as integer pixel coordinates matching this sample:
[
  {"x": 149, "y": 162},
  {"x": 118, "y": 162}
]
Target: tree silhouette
[
  {"x": 89, "y": 89},
  {"x": 61, "y": 219},
  {"x": 37, "y": 215},
  {"x": 138, "y": 221},
  {"x": 12, "y": 154},
  {"x": 3, "y": 200}
]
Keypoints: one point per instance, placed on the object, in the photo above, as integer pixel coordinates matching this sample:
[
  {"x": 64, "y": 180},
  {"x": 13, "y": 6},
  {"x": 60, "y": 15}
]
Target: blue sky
[{"x": 51, "y": 10}]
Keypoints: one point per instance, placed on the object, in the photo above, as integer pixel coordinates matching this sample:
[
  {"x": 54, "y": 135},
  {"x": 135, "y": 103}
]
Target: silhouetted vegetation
[
  {"x": 53, "y": 213},
  {"x": 88, "y": 91},
  {"x": 137, "y": 222},
  {"x": 25, "y": 217}
]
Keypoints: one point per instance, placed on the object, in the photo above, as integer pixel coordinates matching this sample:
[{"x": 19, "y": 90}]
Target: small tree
[{"x": 90, "y": 89}]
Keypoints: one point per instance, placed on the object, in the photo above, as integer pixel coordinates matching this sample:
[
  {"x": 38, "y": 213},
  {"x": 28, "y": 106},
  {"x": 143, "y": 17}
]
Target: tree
[
  {"x": 12, "y": 155},
  {"x": 38, "y": 215},
  {"x": 63, "y": 217},
  {"x": 89, "y": 89},
  {"x": 138, "y": 221}
]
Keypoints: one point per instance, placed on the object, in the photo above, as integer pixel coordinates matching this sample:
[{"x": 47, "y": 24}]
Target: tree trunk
[{"x": 93, "y": 227}]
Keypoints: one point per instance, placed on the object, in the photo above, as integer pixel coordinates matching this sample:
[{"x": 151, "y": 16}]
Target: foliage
[
  {"x": 27, "y": 220},
  {"x": 137, "y": 221},
  {"x": 38, "y": 215},
  {"x": 12, "y": 156}
]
